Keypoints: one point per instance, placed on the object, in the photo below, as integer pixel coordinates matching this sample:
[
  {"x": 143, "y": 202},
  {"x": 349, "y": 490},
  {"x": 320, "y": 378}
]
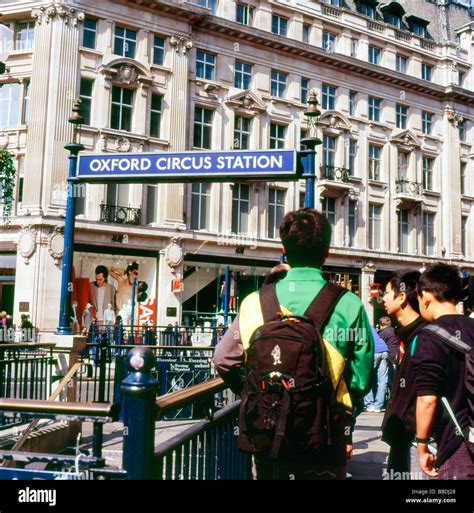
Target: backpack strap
[
  {"x": 448, "y": 339},
  {"x": 323, "y": 304},
  {"x": 269, "y": 303}
]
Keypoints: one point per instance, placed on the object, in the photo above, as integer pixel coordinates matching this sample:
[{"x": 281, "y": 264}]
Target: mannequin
[
  {"x": 109, "y": 315},
  {"x": 86, "y": 318}
]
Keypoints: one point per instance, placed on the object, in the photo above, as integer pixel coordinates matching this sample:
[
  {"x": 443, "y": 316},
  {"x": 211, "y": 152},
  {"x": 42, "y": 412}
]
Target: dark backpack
[
  {"x": 468, "y": 351},
  {"x": 288, "y": 400}
]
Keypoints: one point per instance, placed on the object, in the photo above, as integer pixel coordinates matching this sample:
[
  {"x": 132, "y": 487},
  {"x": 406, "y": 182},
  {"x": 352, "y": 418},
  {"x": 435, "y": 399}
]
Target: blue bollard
[{"x": 139, "y": 412}]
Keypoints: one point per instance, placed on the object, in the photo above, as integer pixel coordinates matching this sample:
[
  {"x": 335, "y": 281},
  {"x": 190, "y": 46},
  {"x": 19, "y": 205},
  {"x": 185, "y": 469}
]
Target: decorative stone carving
[
  {"x": 56, "y": 244},
  {"x": 407, "y": 141},
  {"x": 181, "y": 44},
  {"x": 247, "y": 101},
  {"x": 68, "y": 14},
  {"x": 453, "y": 117},
  {"x": 335, "y": 121},
  {"x": 123, "y": 144},
  {"x": 127, "y": 74},
  {"x": 174, "y": 253},
  {"x": 27, "y": 242}
]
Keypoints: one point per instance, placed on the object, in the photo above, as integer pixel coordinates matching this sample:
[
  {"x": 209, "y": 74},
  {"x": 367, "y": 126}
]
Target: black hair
[
  {"x": 305, "y": 235},
  {"x": 443, "y": 281},
  {"x": 131, "y": 267},
  {"x": 406, "y": 281},
  {"x": 101, "y": 269},
  {"x": 385, "y": 322}
]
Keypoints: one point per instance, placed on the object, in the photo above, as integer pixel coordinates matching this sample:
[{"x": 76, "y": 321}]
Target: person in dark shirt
[
  {"x": 398, "y": 426},
  {"x": 439, "y": 373},
  {"x": 387, "y": 333}
]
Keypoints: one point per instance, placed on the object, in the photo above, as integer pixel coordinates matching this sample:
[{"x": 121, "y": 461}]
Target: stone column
[
  {"x": 173, "y": 195},
  {"x": 367, "y": 277}
]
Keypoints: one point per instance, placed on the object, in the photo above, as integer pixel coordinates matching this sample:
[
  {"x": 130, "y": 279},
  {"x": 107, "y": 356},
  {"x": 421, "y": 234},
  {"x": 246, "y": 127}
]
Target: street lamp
[
  {"x": 308, "y": 157},
  {"x": 64, "y": 327}
]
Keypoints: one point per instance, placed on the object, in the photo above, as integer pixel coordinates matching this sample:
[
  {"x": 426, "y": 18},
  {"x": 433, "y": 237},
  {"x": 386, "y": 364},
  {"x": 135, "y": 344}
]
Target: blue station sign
[{"x": 215, "y": 166}]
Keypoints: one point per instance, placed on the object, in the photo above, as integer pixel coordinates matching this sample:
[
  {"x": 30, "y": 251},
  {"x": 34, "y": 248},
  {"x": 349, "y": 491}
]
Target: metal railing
[
  {"x": 408, "y": 187},
  {"x": 120, "y": 215},
  {"x": 340, "y": 174}
]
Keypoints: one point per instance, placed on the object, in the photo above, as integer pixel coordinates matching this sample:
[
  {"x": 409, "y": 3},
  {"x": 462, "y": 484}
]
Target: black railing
[
  {"x": 409, "y": 188},
  {"x": 340, "y": 174},
  {"x": 120, "y": 215}
]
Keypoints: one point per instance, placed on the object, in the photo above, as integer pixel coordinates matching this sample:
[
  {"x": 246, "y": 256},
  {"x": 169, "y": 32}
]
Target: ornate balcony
[
  {"x": 376, "y": 26},
  {"x": 408, "y": 194},
  {"x": 120, "y": 215},
  {"x": 329, "y": 10},
  {"x": 334, "y": 181}
]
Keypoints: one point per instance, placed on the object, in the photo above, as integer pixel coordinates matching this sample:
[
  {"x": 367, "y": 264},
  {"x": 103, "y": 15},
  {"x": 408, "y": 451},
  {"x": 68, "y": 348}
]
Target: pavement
[{"x": 369, "y": 452}]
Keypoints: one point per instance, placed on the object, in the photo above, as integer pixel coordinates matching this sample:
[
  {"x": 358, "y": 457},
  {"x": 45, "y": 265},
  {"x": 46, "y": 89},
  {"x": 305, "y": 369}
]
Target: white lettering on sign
[
  {"x": 124, "y": 165},
  {"x": 249, "y": 162}
]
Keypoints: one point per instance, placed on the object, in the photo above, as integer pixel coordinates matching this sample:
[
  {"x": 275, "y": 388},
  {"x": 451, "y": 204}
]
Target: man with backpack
[
  {"x": 443, "y": 362},
  {"x": 298, "y": 352}
]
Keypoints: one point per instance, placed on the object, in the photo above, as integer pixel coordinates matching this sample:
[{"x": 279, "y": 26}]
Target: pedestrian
[
  {"x": 374, "y": 401},
  {"x": 387, "y": 333},
  {"x": 305, "y": 236},
  {"x": 444, "y": 376},
  {"x": 398, "y": 426}
]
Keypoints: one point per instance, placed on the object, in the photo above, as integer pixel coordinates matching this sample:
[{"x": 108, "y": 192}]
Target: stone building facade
[{"x": 396, "y": 86}]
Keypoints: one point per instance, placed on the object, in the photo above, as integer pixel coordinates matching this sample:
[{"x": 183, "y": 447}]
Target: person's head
[
  {"x": 439, "y": 285},
  {"x": 101, "y": 275},
  {"x": 400, "y": 293},
  {"x": 305, "y": 235},
  {"x": 132, "y": 269},
  {"x": 385, "y": 322}
]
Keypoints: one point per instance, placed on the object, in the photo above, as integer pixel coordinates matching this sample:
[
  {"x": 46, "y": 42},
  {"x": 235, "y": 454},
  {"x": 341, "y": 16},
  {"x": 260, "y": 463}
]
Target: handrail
[
  {"x": 188, "y": 395},
  {"x": 36, "y": 407},
  {"x": 27, "y": 345},
  {"x": 131, "y": 346}
]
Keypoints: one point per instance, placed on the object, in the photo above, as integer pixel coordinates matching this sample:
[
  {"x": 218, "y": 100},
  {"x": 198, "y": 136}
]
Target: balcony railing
[
  {"x": 328, "y": 10},
  {"x": 402, "y": 36},
  {"x": 375, "y": 26},
  {"x": 120, "y": 215},
  {"x": 406, "y": 187},
  {"x": 340, "y": 174}
]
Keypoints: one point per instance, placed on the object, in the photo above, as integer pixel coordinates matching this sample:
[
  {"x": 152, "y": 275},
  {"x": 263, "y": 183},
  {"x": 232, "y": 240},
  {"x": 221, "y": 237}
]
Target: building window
[
  {"x": 122, "y": 109},
  {"x": 403, "y": 231},
  {"x": 240, "y": 208},
  {"x": 426, "y": 123},
  {"x": 429, "y": 234},
  {"x": 464, "y": 220},
  {"x": 329, "y": 41},
  {"x": 374, "y": 109},
  {"x": 25, "y": 35},
  {"x": 304, "y": 90},
  {"x": 402, "y": 116},
  {"x": 9, "y": 105},
  {"x": 426, "y": 72},
  {"x": 374, "y": 55},
  {"x": 241, "y": 133},
  {"x": 89, "y": 36},
  {"x": 279, "y": 25},
  {"x": 151, "y": 204},
  {"x": 375, "y": 226},
  {"x": 205, "y": 65},
  {"x": 329, "y": 151},
  {"x": 200, "y": 206},
  {"x": 428, "y": 166},
  {"x": 306, "y": 30},
  {"x": 276, "y": 210},
  {"x": 210, "y": 4},
  {"x": 203, "y": 128},
  {"x": 125, "y": 42},
  {"x": 462, "y": 130},
  {"x": 329, "y": 97},
  {"x": 374, "y": 162},
  {"x": 278, "y": 84},
  {"x": 463, "y": 177},
  {"x": 354, "y": 48},
  {"x": 367, "y": 9},
  {"x": 352, "y": 222},
  {"x": 402, "y": 165},
  {"x": 155, "y": 115},
  {"x": 87, "y": 86},
  {"x": 328, "y": 208},
  {"x": 277, "y": 136},
  {"x": 418, "y": 29},
  {"x": 461, "y": 78},
  {"x": 243, "y": 75},
  {"x": 118, "y": 195},
  {"x": 352, "y": 103},
  {"x": 158, "y": 50},
  {"x": 302, "y": 199},
  {"x": 352, "y": 156},
  {"x": 401, "y": 64},
  {"x": 335, "y": 3},
  {"x": 394, "y": 20},
  {"x": 303, "y": 136},
  {"x": 26, "y": 102},
  {"x": 244, "y": 14}
]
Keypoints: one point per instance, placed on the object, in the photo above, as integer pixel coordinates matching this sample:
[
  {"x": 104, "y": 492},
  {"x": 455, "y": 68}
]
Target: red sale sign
[{"x": 147, "y": 313}]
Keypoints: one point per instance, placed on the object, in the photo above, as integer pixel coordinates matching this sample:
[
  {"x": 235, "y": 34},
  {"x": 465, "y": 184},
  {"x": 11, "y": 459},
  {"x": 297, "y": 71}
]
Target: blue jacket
[{"x": 379, "y": 344}]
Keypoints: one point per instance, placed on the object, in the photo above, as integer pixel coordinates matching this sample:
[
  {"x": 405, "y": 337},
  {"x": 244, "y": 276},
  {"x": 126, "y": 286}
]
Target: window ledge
[
  {"x": 378, "y": 124},
  {"x": 430, "y": 137},
  {"x": 93, "y": 51},
  {"x": 377, "y": 183},
  {"x": 21, "y": 52},
  {"x": 160, "y": 67},
  {"x": 285, "y": 101},
  {"x": 467, "y": 197},
  {"x": 431, "y": 193},
  {"x": 355, "y": 179}
]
